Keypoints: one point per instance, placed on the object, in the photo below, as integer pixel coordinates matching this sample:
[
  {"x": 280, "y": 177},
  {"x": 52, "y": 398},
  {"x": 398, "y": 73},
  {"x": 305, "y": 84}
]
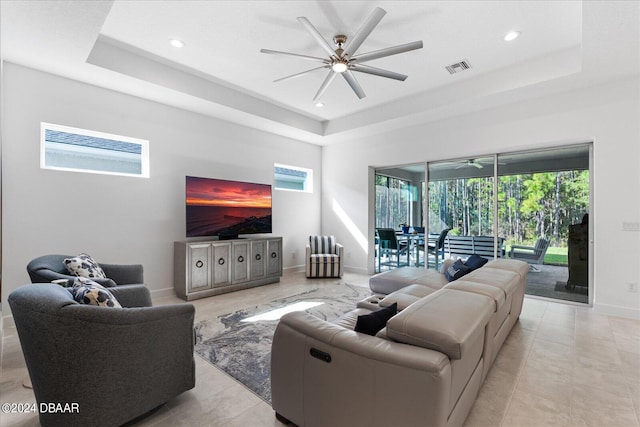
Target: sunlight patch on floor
[{"x": 279, "y": 312}]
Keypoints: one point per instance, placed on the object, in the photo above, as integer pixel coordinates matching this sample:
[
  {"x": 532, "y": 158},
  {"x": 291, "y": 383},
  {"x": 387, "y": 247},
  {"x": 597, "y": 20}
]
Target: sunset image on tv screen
[{"x": 221, "y": 207}]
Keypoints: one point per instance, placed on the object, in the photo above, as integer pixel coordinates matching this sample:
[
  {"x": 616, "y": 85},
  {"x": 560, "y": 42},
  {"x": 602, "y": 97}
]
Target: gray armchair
[
  {"x": 48, "y": 268},
  {"x": 115, "y": 363}
]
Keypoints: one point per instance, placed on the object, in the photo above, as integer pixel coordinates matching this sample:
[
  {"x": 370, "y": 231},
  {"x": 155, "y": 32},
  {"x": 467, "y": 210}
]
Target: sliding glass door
[
  {"x": 543, "y": 206},
  {"x": 532, "y": 206},
  {"x": 399, "y": 206}
]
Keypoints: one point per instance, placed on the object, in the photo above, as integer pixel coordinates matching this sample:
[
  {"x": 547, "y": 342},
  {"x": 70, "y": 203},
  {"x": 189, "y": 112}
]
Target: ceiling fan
[
  {"x": 344, "y": 60},
  {"x": 474, "y": 163}
]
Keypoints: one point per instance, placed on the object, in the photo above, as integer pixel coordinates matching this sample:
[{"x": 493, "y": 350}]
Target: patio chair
[
  {"x": 389, "y": 246},
  {"x": 436, "y": 248},
  {"x": 531, "y": 254}
]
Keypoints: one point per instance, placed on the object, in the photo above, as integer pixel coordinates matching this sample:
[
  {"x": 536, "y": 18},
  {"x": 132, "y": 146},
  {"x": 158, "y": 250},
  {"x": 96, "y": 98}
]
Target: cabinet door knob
[
  {"x": 221, "y": 261},
  {"x": 240, "y": 258},
  {"x": 258, "y": 257},
  {"x": 274, "y": 255},
  {"x": 199, "y": 264}
]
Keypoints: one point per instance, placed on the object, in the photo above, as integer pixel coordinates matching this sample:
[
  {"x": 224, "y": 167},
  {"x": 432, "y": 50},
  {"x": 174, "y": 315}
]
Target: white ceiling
[{"x": 123, "y": 45}]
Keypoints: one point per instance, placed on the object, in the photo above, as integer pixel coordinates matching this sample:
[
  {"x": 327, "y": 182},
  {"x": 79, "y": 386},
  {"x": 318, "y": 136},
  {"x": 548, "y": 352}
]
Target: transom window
[
  {"x": 293, "y": 178},
  {"x": 80, "y": 150}
]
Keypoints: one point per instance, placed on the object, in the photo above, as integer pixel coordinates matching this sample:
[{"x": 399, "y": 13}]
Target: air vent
[{"x": 458, "y": 67}]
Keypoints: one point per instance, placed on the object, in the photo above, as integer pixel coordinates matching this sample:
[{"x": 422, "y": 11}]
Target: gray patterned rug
[{"x": 242, "y": 348}]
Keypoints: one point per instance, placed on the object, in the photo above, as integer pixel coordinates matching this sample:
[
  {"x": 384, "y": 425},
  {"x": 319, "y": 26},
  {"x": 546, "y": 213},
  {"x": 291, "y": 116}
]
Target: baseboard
[
  {"x": 293, "y": 269},
  {"x": 617, "y": 311},
  {"x": 159, "y": 293}
]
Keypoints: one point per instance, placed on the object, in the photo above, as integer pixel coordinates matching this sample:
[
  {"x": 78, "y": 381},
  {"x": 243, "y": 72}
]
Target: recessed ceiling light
[
  {"x": 319, "y": 104},
  {"x": 511, "y": 36},
  {"x": 176, "y": 43}
]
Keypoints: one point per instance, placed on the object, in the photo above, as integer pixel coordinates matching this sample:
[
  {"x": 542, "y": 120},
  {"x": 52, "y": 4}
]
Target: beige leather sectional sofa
[{"x": 424, "y": 368}]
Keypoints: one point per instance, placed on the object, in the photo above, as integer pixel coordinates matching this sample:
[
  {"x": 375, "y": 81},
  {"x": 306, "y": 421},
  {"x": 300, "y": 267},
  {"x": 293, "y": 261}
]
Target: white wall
[
  {"x": 122, "y": 219},
  {"x": 608, "y": 115}
]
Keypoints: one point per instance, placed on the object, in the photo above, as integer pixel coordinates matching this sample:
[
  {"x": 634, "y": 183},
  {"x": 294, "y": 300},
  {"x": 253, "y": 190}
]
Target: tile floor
[{"x": 562, "y": 365}]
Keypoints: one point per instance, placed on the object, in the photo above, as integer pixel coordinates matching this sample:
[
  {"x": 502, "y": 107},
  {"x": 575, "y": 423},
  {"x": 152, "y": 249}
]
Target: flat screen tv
[{"x": 217, "y": 207}]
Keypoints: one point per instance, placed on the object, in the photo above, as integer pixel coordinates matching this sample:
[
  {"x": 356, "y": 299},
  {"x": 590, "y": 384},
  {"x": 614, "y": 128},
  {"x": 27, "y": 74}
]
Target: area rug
[
  {"x": 242, "y": 349},
  {"x": 558, "y": 291}
]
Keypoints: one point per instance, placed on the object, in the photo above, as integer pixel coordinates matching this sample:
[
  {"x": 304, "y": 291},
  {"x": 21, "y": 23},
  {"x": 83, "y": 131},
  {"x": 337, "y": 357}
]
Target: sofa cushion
[
  {"x": 456, "y": 271},
  {"x": 506, "y": 280},
  {"x": 406, "y": 296},
  {"x": 398, "y": 278},
  {"x": 349, "y": 319},
  {"x": 493, "y": 292},
  {"x": 371, "y": 323},
  {"x": 447, "y": 321},
  {"x": 324, "y": 258},
  {"x": 475, "y": 261},
  {"x": 86, "y": 291},
  {"x": 84, "y": 266}
]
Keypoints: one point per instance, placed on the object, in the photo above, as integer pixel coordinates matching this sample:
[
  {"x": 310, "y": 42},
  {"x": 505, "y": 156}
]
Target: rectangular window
[
  {"x": 79, "y": 150},
  {"x": 293, "y": 178}
]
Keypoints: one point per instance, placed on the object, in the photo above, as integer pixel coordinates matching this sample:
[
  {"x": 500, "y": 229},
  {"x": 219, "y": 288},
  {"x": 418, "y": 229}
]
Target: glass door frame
[{"x": 495, "y": 225}]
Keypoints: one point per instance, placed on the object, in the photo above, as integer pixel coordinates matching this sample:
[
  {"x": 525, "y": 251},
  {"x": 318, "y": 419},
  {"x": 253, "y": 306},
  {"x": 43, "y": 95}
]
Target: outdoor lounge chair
[{"x": 531, "y": 254}]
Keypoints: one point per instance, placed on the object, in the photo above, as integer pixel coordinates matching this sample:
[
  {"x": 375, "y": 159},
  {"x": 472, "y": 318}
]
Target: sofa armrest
[
  {"x": 132, "y": 295},
  {"x": 124, "y": 274},
  {"x": 48, "y": 276}
]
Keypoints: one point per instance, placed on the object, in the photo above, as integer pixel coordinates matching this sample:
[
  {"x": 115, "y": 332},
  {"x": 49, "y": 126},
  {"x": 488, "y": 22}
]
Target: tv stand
[
  {"x": 228, "y": 237},
  {"x": 206, "y": 268}
]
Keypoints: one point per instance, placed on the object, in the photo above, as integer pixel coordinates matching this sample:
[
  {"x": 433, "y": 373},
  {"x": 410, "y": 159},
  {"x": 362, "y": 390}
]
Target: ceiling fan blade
[
  {"x": 295, "y": 55},
  {"x": 388, "y": 51},
  {"x": 303, "y": 73},
  {"x": 350, "y": 78},
  {"x": 477, "y": 165},
  {"x": 378, "y": 72},
  {"x": 325, "y": 84},
  {"x": 316, "y": 35},
  {"x": 364, "y": 31}
]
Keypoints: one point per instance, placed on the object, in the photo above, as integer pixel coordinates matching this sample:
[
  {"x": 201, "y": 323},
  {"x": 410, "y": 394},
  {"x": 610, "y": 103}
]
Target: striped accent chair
[{"x": 324, "y": 257}]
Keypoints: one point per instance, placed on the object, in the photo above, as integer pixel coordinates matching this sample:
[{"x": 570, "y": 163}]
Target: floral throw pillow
[
  {"x": 86, "y": 291},
  {"x": 84, "y": 266}
]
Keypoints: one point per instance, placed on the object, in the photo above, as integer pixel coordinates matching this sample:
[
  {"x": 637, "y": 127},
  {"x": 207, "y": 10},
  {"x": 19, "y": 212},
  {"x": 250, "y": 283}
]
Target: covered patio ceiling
[{"x": 574, "y": 157}]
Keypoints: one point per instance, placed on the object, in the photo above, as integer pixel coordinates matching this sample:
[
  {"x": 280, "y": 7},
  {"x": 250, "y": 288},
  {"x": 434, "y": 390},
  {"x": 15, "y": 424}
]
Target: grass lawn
[{"x": 557, "y": 256}]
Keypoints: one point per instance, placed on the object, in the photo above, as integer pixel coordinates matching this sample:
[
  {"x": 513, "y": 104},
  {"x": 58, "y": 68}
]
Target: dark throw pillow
[
  {"x": 456, "y": 271},
  {"x": 371, "y": 323},
  {"x": 475, "y": 261}
]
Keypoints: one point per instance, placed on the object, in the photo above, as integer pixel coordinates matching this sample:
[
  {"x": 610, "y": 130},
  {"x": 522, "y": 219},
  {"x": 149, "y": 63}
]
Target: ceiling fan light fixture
[
  {"x": 339, "y": 66},
  {"x": 511, "y": 36},
  {"x": 176, "y": 43}
]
